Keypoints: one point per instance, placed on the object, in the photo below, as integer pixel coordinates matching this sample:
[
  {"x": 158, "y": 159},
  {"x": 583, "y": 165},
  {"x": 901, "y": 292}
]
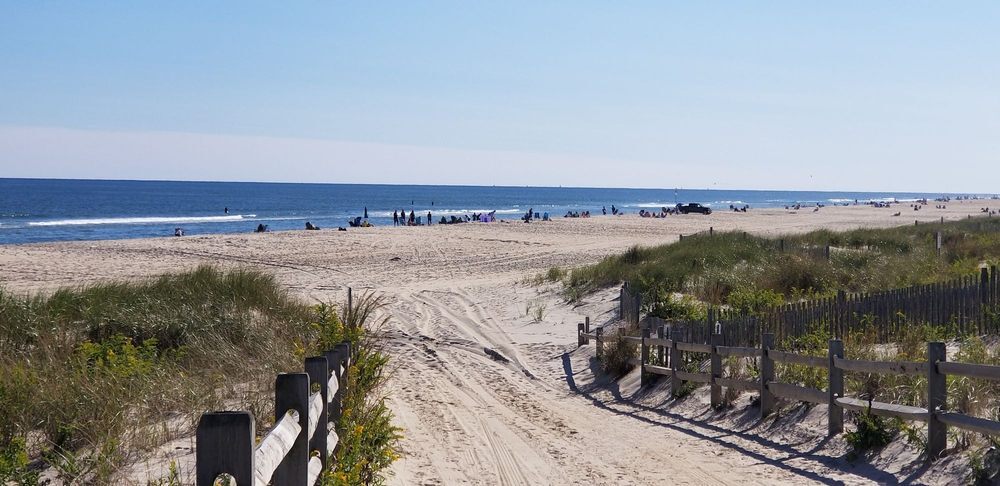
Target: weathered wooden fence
[
  {"x": 307, "y": 408},
  {"x": 629, "y": 305},
  {"x": 665, "y": 356},
  {"x": 971, "y": 304}
]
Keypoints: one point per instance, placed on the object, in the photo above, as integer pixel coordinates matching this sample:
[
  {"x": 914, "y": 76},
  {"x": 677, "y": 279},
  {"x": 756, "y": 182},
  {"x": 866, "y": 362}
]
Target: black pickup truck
[{"x": 693, "y": 208}]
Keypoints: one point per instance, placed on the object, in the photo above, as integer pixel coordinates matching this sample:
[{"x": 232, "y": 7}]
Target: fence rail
[
  {"x": 971, "y": 304},
  {"x": 935, "y": 369},
  {"x": 307, "y": 408}
]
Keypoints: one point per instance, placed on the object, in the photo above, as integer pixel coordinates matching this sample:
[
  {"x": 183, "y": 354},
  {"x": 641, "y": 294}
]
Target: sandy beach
[{"x": 457, "y": 300}]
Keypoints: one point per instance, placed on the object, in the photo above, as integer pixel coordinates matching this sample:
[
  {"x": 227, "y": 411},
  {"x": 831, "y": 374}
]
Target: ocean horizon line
[{"x": 506, "y": 186}]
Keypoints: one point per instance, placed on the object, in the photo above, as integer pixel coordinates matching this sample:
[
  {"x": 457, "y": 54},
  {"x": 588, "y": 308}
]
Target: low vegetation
[
  {"x": 749, "y": 273},
  {"x": 93, "y": 377},
  {"x": 370, "y": 442},
  {"x": 617, "y": 356}
]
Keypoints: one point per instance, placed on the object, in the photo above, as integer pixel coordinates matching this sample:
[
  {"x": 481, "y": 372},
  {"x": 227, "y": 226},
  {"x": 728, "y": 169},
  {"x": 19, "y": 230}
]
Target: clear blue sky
[{"x": 787, "y": 95}]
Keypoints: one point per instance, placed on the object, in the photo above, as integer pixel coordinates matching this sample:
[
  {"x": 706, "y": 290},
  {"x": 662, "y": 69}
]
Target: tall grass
[
  {"x": 89, "y": 375},
  {"x": 724, "y": 267}
]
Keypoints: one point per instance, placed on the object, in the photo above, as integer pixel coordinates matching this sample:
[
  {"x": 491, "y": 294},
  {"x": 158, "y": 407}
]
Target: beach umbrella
[{"x": 366, "y": 212}]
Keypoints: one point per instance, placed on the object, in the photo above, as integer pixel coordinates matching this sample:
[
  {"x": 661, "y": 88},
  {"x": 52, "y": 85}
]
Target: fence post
[
  {"x": 339, "y": 360},
  {"x": 675, "y": 358},
  {"x": 766, "y": 374},
  {"x": 350, "y": 298},
  {"x": 781, "y": 245},
  {"x": 826, "y": 252},
  {"x": 835, "y": 388},
  {"x": 579, "y": 335},
  {"x": 586, "y": 329},
  {"x": 937, "y": 394},
  {"x": 224, "y": 444},
  {"x": 937, "y": 243},
  {"x": 711, "y": 231},
  {"x": 659, "y": 348},
  {"x": 841, "y": 314},
  {"x": 599, "y": 333},
  {"x": 318, "y": 369},
  {"x": 716, "y": 371},
  {"x": 291, "y": 392},
  {"x": 984, "y": 286},
  {"x": 643, "y": 356}
]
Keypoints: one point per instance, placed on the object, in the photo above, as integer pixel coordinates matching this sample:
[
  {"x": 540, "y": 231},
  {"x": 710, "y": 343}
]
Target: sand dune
[{"x": 485, "y": 394}]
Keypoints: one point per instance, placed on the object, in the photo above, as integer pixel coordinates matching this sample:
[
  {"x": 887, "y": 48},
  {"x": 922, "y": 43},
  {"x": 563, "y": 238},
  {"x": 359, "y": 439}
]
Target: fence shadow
[{"x": 715, "y": 434}]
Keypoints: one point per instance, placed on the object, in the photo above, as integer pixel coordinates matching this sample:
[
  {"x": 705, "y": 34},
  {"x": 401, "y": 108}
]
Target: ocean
[{"x": 41, "y": 210}]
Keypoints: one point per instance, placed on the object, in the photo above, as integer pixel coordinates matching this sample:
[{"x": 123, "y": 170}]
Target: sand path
[{"x": 485, "y": 395}]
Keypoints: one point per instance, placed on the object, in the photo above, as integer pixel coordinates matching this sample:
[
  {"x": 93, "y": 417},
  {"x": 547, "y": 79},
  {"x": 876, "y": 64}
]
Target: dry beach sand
[{"x": 485, "y": 395}]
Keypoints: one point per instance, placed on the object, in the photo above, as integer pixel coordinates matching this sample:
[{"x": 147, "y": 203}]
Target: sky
[{"x": 880, "y": 96}]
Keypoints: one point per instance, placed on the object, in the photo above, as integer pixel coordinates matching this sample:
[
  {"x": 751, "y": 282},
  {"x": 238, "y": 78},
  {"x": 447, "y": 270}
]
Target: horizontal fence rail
[
  {"x": 667, "y": 357},
  {"x": 307, "y": 408}
]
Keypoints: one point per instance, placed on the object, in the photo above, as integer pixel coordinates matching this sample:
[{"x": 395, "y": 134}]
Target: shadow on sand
[{"x": 699, "y": 429}]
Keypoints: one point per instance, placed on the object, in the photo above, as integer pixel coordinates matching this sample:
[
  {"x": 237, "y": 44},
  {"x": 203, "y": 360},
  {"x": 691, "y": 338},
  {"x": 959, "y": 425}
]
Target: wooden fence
[
  {"x": 629, "y": 305},
  {"x": 307, "y": 408},
  {"x": 971, "y": 304},
  {"x": 665, "y": 356}
]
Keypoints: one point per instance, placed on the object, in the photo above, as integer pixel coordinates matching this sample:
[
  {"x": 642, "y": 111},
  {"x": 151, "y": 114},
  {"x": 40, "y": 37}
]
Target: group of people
[
  {"x": 399, "y": 218},
  {"x": 531, "y": 214},
  {"x": 576, "y": 214},
  {"x": 662, "y": 213},
  {"x": 988, "y": 211},
  {"x": 489, "y": 217},
  {"x": 614, "y": 210},
  {"x": 739, "y": 209}
]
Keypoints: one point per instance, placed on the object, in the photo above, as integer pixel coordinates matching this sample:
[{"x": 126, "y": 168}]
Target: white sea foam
[
  {"x": 143, "y": 220},
  {"x": 652, "y": 205}
]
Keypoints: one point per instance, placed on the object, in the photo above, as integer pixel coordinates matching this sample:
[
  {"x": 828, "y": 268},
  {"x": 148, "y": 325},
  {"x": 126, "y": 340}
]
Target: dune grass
[
  {"x": 734, "y": 268},
  {"x": 90, "y": 377},
  {"x": 370, "y": 442}
]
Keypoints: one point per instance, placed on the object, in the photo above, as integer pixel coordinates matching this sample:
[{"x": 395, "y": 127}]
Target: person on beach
[
  {"x": 604, "y": 210},
  {"x": 226, "y": 210},
  {"x": 428, "y": 218},
  {"x": 413, "y": 218},
  {"x": 366, "y": 212},
  {"x": 395, "y": 218}
]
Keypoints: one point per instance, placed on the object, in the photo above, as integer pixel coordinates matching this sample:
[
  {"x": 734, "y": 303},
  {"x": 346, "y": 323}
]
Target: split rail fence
[
  {"x": 307, "y": 408},
  {"x": 664, "y": 356}
]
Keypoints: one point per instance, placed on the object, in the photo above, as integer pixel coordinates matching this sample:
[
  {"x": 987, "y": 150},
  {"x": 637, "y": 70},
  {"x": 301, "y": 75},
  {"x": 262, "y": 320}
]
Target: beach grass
[
  {"x": 92, "y": 377},
  {"x": 742, "y": 270}
]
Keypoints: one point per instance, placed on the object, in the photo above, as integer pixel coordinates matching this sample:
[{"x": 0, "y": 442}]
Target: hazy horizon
[{"x": 692, "y": 188}]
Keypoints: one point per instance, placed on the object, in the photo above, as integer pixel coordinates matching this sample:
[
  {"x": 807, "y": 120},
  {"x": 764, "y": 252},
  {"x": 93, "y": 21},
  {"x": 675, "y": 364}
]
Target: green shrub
[
  {"x": 370, "y": 442},
  {"x": 14, "y": 464},
  {"x": 616, "y": 356},
  {"x": 871, "y": 433},
  {"x": 669, "y": 306},
  {"x": 752, "y": 301}
]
